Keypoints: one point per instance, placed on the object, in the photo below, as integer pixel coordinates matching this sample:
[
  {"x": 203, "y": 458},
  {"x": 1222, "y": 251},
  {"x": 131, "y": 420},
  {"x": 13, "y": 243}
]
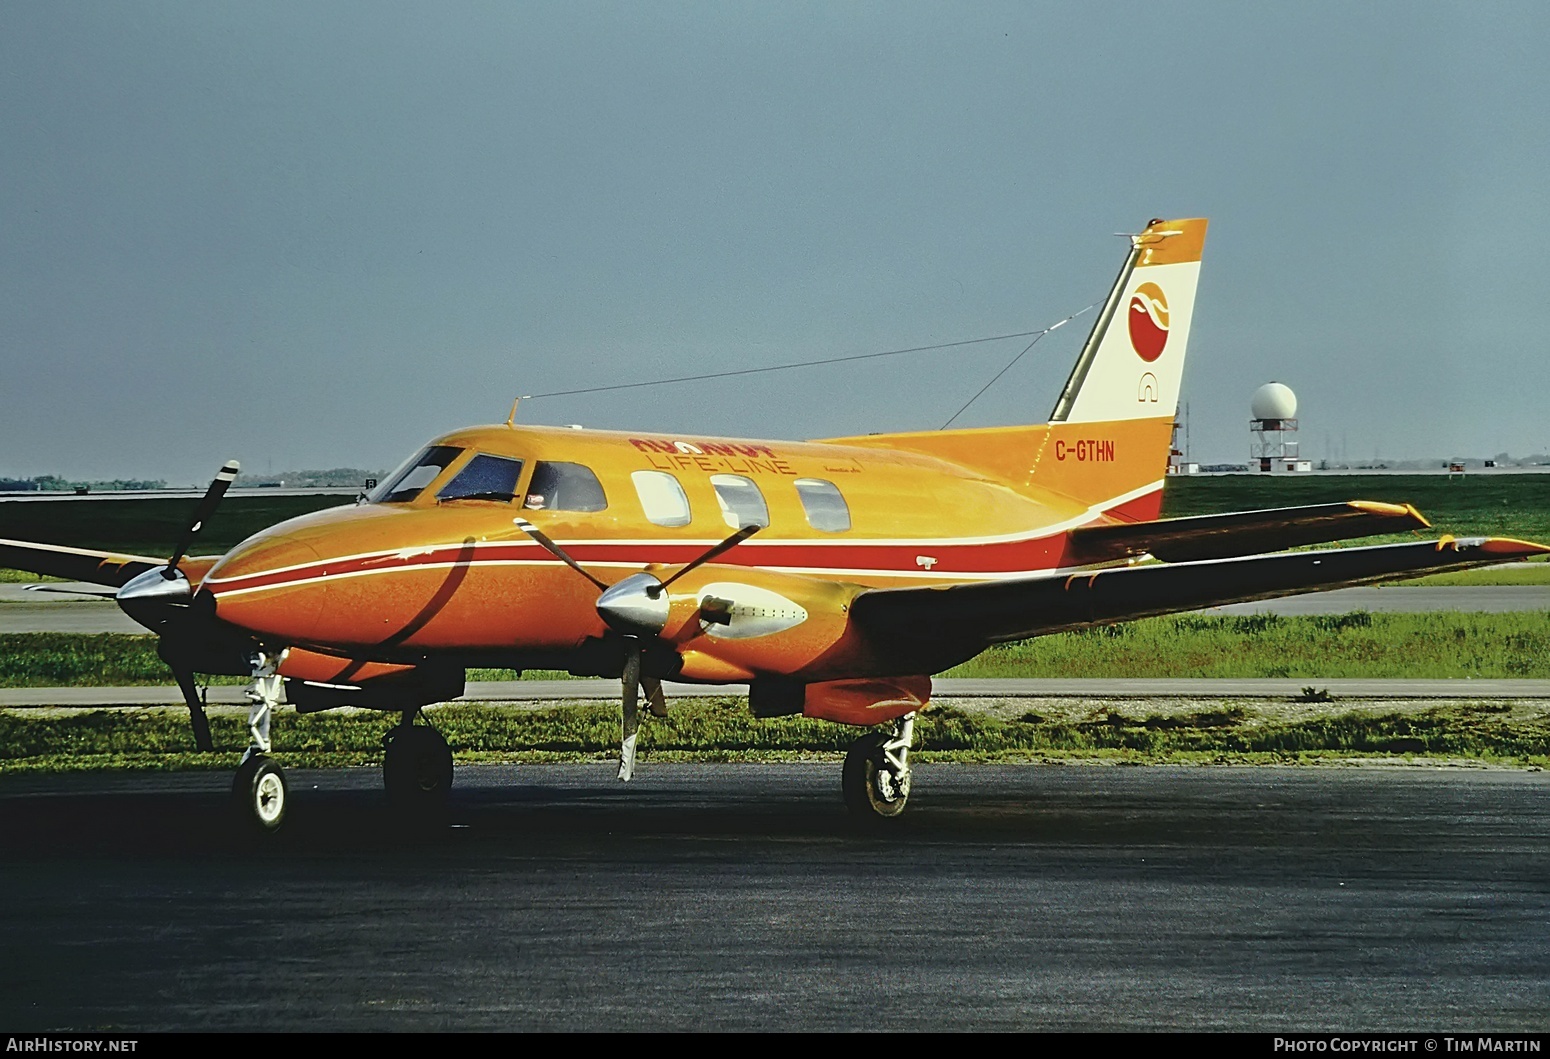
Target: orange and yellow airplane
[{"x": 832, "y": 577}]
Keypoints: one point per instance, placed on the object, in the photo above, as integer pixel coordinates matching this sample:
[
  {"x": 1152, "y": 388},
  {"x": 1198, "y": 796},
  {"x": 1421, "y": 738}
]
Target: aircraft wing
[
  {"x": 935, "y": 621},
  {"x": 1176, "y": 540},
  {"x": 74, "y": 564}
]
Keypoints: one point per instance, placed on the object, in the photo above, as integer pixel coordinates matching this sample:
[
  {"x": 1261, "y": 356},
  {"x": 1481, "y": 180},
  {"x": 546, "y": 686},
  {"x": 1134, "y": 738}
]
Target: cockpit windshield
[
  {"x": 484, "y": 477},
  {"x": 406, "y": 483}
]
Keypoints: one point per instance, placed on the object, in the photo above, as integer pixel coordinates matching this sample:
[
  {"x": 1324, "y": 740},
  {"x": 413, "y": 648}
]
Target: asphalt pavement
[{"x": 740, "y": 897}]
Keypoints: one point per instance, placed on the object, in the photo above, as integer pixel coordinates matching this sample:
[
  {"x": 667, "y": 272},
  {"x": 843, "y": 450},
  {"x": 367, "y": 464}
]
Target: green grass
[
  {"x": 150, "y": 526},
  {"x": 17, "y": 577},
  {"x": 49, "y": 659},
  {"x": 52, "y": 659},
  {"x": 721, "y": 729},
  {"x": 1496, "y": 505},
  {"x": 1421, "y": 646},
  {"x": 1537, "y": 574}
]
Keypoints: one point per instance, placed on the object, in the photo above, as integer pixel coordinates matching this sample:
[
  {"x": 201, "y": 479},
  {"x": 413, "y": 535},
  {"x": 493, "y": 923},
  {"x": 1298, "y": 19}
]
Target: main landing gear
[
  {"x": 258, "y": 791},
  {"x": 876, "y": 779},
  {"x": 416, "y": 767}
]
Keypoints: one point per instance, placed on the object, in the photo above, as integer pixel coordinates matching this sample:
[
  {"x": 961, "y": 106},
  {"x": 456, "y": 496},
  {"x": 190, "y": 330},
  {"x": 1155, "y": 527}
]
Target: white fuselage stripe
[{"x": 913, "y": 542}]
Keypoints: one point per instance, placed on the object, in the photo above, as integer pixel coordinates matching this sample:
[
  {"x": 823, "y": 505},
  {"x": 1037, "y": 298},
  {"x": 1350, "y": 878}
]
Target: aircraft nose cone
[
  {"x": 273, "y": 586},
  {"x": 636, "y": 606}
]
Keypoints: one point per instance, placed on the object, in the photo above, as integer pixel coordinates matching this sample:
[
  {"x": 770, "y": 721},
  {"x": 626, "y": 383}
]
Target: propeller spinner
[
  {"x": 160, "y": 599},
  {"x": 637, "y": 608}
]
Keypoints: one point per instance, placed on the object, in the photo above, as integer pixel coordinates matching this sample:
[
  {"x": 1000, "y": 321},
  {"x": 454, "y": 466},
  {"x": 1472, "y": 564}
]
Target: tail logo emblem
[{"x": 1148, "y": 320}]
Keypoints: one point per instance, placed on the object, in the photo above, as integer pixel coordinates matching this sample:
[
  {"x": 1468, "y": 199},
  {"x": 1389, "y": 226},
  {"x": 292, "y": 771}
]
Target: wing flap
[
  {"x": 1178, "y": 540},
  {"x": 949, "y": 620}
]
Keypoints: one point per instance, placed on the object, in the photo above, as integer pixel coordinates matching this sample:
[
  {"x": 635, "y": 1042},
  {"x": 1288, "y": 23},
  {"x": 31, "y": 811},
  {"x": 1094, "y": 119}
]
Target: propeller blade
[
  {"x": 196, "y": 710},
  {"x": 725, "y": 546},
  {"x": 554, "y": 549},
  {"x": 656, "y": 702},
  {"x": 206, "y": 508},
  {"x": 630, "y": 727}
]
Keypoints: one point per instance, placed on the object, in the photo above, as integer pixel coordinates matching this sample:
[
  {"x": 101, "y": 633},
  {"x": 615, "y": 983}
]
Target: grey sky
[{"x": 316, "y": 234}]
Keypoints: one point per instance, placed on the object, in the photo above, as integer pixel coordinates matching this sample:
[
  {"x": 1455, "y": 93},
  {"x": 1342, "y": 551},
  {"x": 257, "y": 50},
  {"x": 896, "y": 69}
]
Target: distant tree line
[
  {"x": 50, "y": 483},
  {"x": 334, "y": 478}
]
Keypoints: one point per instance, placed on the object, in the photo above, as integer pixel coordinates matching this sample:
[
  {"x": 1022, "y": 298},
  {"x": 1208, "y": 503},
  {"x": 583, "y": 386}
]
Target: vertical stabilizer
[
  {"x": 1133, "y": 361},
  {"x": 1108, "y": 440}
]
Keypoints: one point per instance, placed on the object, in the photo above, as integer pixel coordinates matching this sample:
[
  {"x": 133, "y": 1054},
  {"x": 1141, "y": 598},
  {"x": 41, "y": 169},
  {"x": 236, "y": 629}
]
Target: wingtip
[
  {"x": 1511, "y": 547},
  {"x": 1404, "y": 511}
]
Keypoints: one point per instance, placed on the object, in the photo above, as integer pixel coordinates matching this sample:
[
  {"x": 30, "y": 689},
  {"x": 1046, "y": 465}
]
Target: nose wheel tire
[
  {"x": 873, "y": 788},
  {"x": 258, "y": 793},
  {"x": 417, "y": 769}
]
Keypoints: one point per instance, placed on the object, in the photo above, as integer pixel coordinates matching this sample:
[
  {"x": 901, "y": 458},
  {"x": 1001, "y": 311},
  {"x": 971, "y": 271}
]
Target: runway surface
[
  {"x": 24, "y": 611},
  {"x": 740, "y": 897}
]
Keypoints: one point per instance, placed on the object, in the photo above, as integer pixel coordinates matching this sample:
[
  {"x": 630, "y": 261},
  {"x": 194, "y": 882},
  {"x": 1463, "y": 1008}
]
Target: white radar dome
[{"x": 1273, "y": 400}]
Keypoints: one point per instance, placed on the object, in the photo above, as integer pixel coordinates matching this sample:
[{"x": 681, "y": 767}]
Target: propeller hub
[
  {"x": 636, "y": 606},
  {"x": 156, "y": 597}
]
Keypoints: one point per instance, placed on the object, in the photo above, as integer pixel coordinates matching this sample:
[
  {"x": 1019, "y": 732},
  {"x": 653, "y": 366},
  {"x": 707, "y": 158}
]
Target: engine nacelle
[{"x": 736, "y": 626}]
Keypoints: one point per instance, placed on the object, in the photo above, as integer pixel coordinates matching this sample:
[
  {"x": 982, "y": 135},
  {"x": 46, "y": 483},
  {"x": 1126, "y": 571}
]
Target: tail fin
[
  {"x": 1130, "y": 367},
  {"x": 1107, "y": 441}
]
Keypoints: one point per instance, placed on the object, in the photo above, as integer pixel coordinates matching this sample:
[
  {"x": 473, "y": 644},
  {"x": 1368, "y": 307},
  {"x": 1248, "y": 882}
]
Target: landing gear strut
[
  {"x": 416, "y": 767},
  {"x": 876, "y": 779},
  {"x": 259, "y": 789}
]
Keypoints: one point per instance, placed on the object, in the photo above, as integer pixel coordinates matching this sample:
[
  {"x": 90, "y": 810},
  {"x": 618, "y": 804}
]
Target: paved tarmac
[
  {"x": 1399, "y": 599},
  {"x": 25, "y": 611},
  {"x": 741, "y": 897}
]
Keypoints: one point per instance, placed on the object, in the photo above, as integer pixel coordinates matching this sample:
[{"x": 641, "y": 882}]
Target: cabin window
[
  {"x": 661, "y": 497},
  {"x": 406, "y": 483},
  {"x": 564, "y": 487},
  {"x": 825, "y": 506},
  {"x": 484, "y": 477},
  {"x": 741, "y": 502}
]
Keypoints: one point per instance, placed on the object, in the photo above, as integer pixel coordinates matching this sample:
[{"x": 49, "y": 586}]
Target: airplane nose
[{"x": 270, "y": 585}]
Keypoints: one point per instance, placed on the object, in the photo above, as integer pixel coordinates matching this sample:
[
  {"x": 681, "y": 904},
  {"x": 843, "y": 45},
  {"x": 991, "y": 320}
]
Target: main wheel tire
[
  {"x": 258, "y": 793},
  {"x": 872, "y": 790},
  {"x": 417, "y": 769}
]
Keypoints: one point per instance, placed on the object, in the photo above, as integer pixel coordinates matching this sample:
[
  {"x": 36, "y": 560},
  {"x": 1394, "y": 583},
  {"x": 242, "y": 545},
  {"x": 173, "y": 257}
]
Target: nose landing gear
[
  {"x": 876, "y": 777},
  {"x": 258, "y": 790}
]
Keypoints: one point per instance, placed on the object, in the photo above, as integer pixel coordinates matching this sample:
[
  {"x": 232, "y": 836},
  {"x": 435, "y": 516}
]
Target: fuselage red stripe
[{"x": 1027, "y": 555}]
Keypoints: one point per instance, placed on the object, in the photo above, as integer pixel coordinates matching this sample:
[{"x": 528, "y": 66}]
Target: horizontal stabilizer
[
  {"x": 947, "y": 621},
  {"x": 1178, "y": 540}
]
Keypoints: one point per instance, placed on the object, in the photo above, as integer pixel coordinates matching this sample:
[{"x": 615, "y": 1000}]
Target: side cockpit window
[
  {"x": 741, "y": 502},
  {"x": 484, "y": 477},
  {"x": 564, "y": 487},
  {"x": 406, "y": 483},
  {"x": 661, "y": 498},
  {"x": 825, "y": 508}
]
